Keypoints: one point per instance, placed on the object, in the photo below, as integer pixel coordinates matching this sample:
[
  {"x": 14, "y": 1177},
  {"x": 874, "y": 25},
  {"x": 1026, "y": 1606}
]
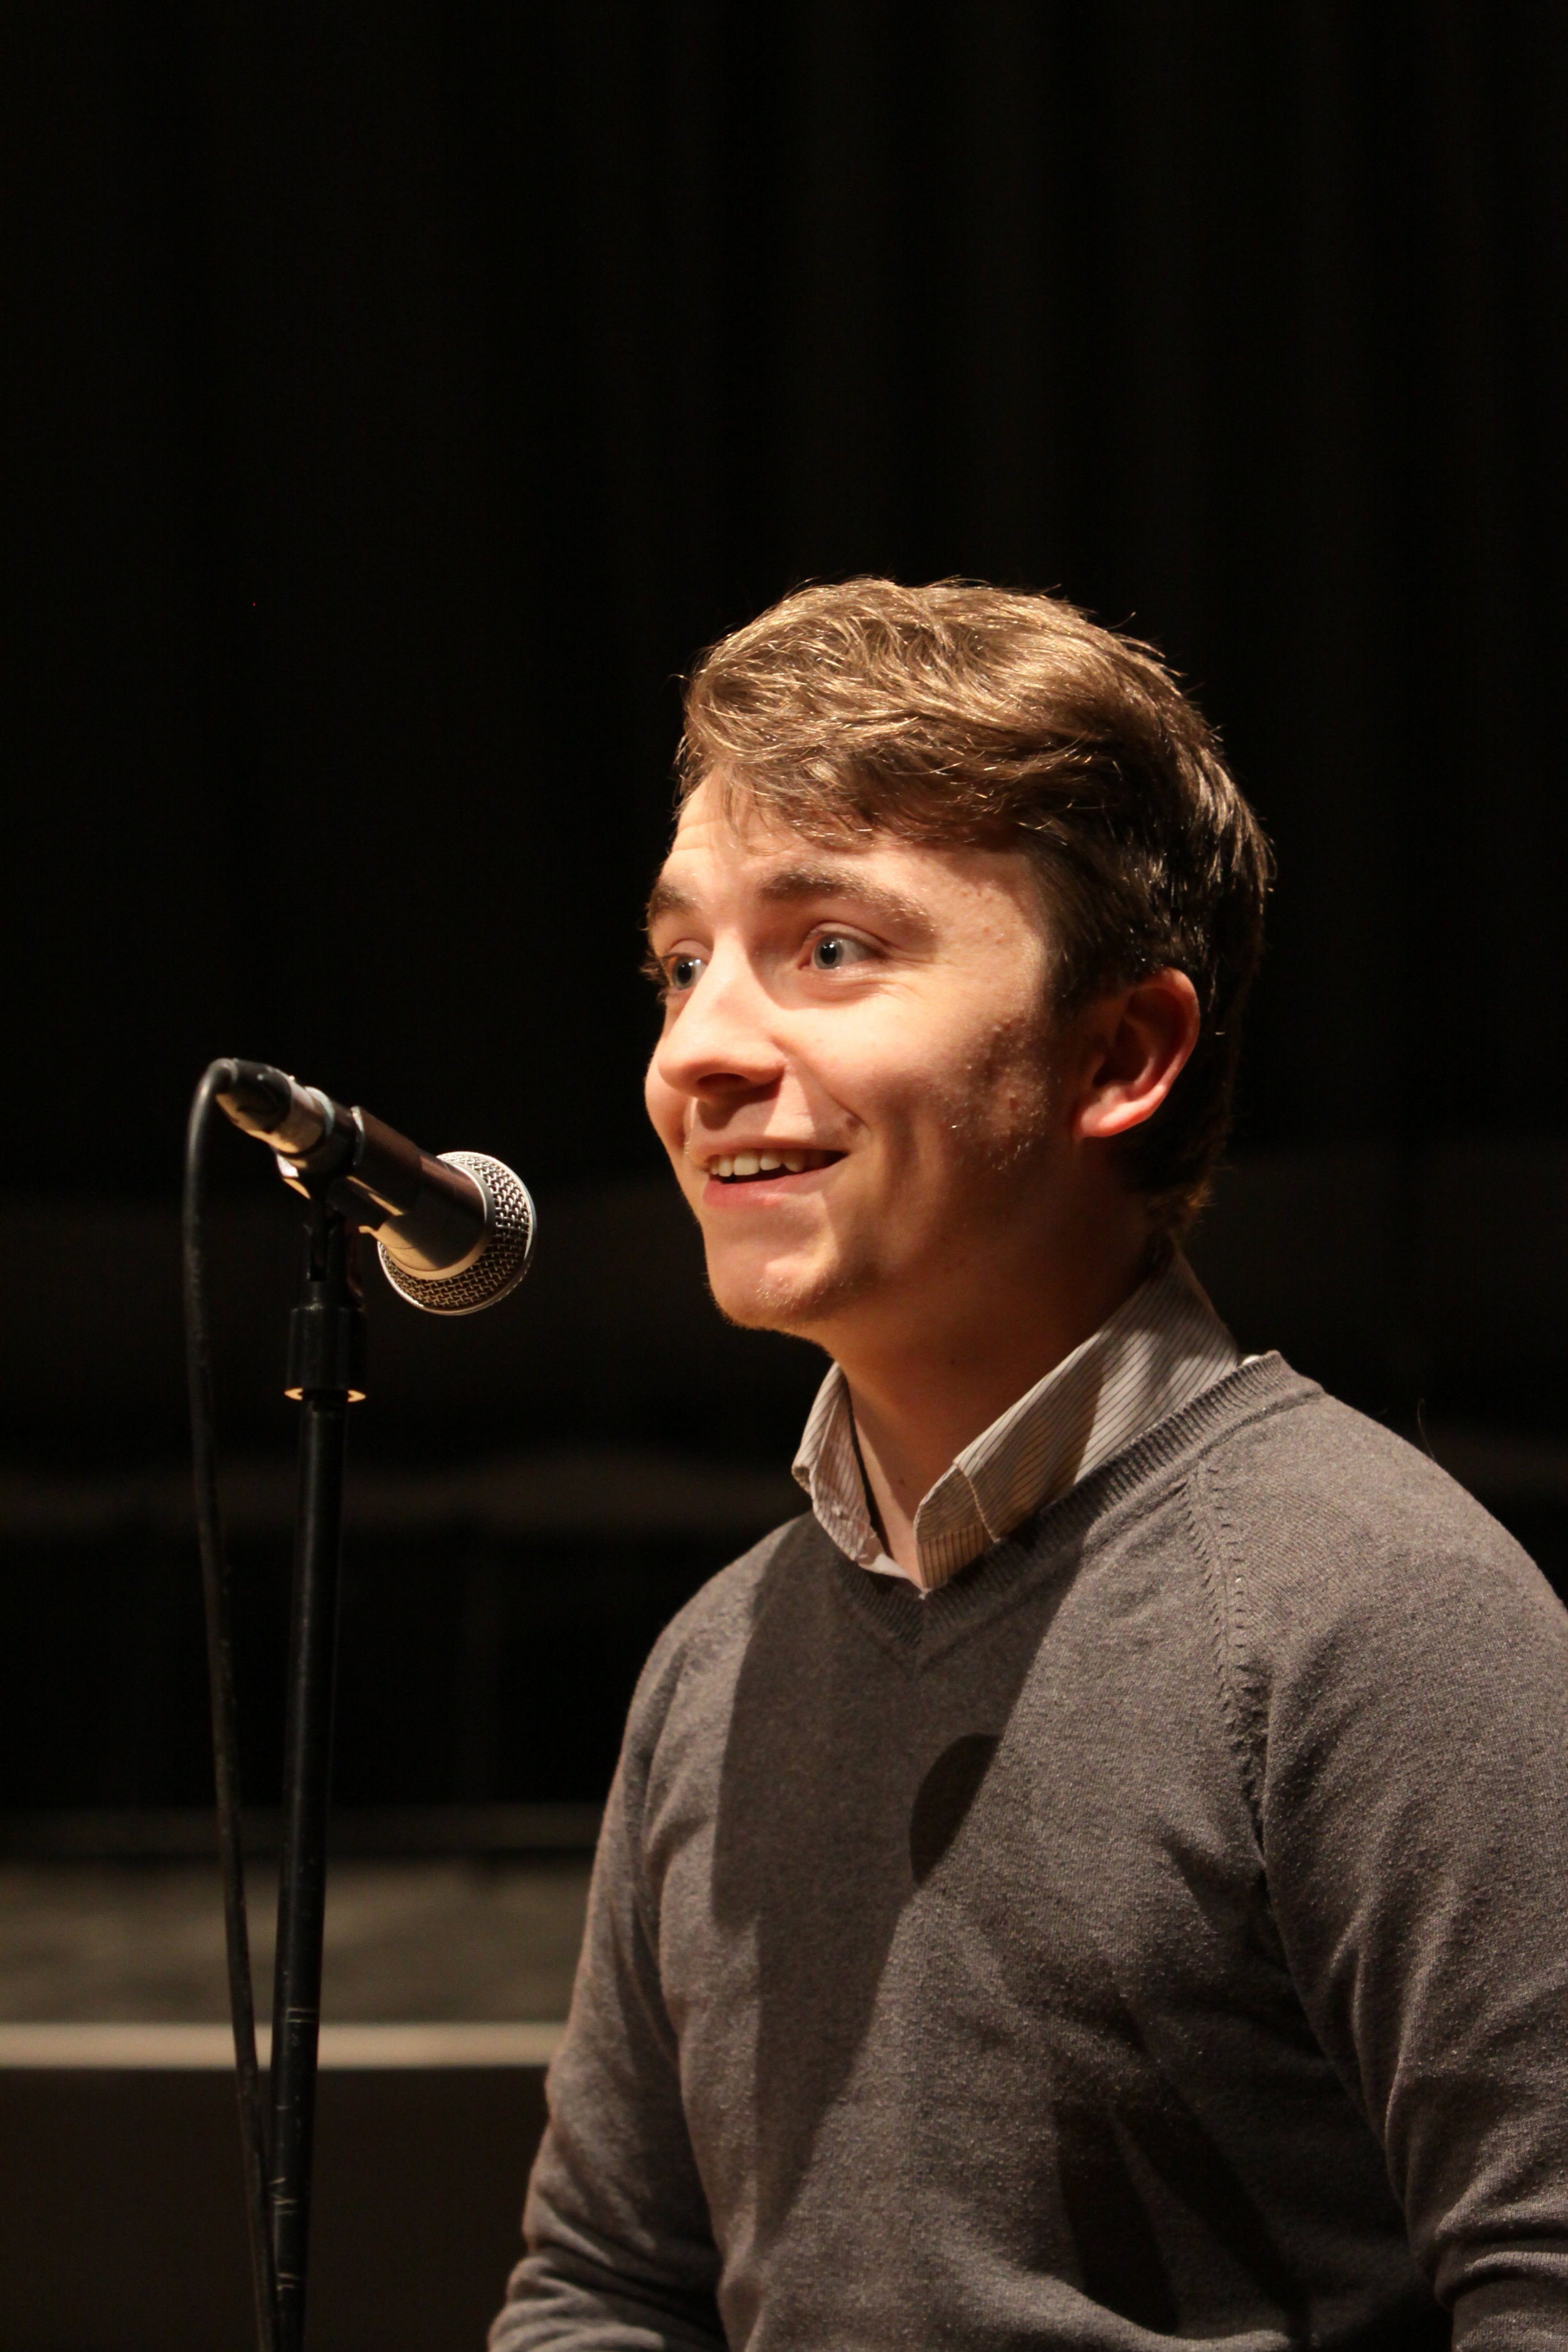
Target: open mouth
[{"x": 757, "y": 1167}]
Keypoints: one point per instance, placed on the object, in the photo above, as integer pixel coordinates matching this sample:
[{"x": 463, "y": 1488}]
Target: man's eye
[
  {"x": 682, "y": 972},
  {"x": 834, "y": 952}
]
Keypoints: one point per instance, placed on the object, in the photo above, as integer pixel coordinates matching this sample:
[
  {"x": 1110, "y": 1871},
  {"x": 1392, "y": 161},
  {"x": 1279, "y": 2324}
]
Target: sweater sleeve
[
  {"x": 1400, "y": 1676},
  {"x": 620, "y": 2251}
]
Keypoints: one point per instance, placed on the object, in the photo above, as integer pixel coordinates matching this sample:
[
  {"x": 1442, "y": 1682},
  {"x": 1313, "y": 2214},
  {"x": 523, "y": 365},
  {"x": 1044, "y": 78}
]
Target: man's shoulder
[
  {"x": 705, "y": 1640},
  {"x": 1316, "y": 1507}
]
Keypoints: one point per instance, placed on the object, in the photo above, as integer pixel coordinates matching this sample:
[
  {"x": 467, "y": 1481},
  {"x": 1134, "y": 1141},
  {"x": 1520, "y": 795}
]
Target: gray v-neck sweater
[{"x": 1159, "y": 1933}]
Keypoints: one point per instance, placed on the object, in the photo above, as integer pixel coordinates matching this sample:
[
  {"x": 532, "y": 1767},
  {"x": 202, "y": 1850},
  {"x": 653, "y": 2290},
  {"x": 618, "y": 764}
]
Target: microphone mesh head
[{"x": 499, "y": 1265}]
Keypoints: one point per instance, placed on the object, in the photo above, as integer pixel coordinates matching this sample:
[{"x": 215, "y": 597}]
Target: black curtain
[{"x": 400, "y": 390}]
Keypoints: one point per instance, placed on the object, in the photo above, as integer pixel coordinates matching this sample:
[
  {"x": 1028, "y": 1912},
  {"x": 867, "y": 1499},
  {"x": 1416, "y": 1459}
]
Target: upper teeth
[{"x": 756, "y": 1163}]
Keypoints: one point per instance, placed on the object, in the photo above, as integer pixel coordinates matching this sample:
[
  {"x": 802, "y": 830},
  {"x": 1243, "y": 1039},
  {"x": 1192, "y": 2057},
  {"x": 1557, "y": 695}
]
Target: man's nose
[{"x": 721, "y": 1041}]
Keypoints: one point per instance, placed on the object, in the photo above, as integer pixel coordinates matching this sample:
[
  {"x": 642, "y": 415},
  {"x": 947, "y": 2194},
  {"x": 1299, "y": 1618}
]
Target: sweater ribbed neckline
[{"x": 920, "y": 1629}]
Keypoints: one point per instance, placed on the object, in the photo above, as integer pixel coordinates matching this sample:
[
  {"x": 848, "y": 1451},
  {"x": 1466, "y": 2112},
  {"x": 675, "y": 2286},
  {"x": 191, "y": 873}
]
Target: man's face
[{"x": 856, "y": 1078}]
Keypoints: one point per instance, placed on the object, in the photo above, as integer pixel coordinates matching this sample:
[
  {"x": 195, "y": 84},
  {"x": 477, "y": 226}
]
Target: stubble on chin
[{"x": 799, "y": 1300}]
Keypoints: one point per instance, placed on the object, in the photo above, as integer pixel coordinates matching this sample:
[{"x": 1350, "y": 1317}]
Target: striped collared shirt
[{"x": 1161, "y": 1348}]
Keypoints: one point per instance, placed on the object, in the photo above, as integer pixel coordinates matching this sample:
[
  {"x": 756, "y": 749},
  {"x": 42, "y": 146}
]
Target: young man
[{"x": 1101, "y": 1877}]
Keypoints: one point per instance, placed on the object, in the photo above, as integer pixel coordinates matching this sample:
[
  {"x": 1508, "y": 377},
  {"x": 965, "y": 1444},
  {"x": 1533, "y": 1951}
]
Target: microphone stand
[
  {"x": 467, "y": 1229},
  {"x": 326, "y": 1375}
]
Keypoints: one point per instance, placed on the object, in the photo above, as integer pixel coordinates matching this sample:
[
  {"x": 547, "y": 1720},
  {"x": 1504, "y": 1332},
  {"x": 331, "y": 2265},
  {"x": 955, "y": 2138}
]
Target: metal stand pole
[{"x": 326, "y": 1374}]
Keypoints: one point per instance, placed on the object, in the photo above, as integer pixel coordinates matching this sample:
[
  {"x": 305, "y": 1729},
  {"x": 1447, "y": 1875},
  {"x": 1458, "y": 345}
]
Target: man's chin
[{"x": 779, "y": 1296}]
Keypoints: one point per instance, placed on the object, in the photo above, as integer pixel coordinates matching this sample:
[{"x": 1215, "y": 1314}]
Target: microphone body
[{"x": 454, "y": 1232}]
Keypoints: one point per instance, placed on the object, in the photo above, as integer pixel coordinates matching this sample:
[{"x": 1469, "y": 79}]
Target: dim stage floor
[
  {"x": 449, "y": 1939},
  {"x": 121, "y": 2218}
]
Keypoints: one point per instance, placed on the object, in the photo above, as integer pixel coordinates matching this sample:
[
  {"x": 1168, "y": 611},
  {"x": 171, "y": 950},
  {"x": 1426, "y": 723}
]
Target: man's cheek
[{"x": 666, "y": 1113}]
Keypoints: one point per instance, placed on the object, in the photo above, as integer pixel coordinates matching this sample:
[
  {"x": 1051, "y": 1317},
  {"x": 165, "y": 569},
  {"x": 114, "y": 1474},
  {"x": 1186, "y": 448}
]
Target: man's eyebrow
[
  {"x": 665, "y": 898},
  {"x": 792, "y": 883}
]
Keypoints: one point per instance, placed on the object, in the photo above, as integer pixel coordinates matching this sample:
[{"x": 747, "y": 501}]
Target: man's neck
[{"x": 918, "y": 1406}]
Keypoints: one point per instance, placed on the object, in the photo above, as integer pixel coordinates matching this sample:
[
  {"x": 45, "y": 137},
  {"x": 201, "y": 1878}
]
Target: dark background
[{"x": 399, "y": 395}]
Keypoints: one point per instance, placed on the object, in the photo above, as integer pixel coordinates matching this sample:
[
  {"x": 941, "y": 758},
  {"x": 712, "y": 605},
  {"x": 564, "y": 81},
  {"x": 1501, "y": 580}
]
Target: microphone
[{"x": 454, "y": 1234}]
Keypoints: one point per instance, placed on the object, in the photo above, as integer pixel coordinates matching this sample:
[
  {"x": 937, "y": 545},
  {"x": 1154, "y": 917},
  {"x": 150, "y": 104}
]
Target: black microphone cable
[{"x": 225, "y": 1712}]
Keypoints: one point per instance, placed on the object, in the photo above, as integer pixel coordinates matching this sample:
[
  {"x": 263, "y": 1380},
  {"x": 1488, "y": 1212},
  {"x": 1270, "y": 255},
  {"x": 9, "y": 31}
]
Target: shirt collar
[{"x": 1162, "y": 1347}]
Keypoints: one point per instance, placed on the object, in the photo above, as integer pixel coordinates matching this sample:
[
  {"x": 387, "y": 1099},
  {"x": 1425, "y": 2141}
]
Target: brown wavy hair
[{"x": 962, "y": 714}]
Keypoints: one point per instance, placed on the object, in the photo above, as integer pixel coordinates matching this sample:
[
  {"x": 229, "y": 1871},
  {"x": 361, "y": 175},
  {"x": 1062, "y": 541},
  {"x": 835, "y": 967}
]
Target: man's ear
[{"x": 1136, "y": 1044}]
